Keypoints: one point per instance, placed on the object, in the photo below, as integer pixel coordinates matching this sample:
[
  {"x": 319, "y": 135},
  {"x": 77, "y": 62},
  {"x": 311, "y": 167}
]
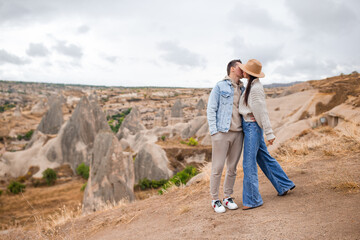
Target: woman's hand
[{"x": 271, "y": 141}]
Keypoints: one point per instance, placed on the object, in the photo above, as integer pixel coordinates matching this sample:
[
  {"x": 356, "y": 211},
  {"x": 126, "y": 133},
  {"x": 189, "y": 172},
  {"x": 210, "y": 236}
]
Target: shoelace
[
  {"x": 230, "y": 200},
  {"x": 218, "y": 203}
]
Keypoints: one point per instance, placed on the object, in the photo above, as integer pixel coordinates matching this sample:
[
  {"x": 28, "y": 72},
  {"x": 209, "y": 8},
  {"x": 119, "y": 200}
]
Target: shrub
[
  {"x": 16, "y": 187},
  {"x": 192, "y": 142},
  {"x": 6, "y": 106},
  {"x": 83, "y": 187},
  {"x": 83, "y": 170},
  {"x": 163, "y": 138},
  {"x": 50, "y": 176},
  {"x": 181, "y": 177},
  {"x": 146, "y": 183},
  {"x": 27, "y": 135},
  {"x": 119, "y": 118},
  {"x": 35, "y": 182},
  {"x": 1, "y": 191}
]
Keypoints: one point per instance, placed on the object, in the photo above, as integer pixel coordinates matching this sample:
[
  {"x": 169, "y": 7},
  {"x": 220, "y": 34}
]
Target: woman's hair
[{"x": 248, "y": 87}]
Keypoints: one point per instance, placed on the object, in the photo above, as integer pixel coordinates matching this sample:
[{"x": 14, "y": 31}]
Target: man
[{"x": 226, "y": 134}]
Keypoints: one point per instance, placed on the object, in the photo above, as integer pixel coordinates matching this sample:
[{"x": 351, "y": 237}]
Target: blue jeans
[{"x": 255, "y": 150}]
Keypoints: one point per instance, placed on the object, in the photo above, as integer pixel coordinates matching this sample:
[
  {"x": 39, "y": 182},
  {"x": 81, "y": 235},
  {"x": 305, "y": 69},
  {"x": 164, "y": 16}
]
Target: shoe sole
[{"x": 219, "y": 212}]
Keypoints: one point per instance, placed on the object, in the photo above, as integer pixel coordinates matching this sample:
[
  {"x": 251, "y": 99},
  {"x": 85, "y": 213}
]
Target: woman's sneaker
[
  {"x": 229, "y": 203},
  {"x": 217, "y": 206}
]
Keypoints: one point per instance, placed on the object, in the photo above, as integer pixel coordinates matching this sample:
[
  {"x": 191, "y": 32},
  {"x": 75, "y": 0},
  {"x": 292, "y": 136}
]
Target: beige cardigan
[{"x": 256, "y": 106}]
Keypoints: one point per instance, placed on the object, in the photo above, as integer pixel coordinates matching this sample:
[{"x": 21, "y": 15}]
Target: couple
[{"x": 236, "y": 114}]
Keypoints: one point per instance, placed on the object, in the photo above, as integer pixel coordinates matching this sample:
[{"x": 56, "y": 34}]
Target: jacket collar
[{"x": 229, "y": 81}]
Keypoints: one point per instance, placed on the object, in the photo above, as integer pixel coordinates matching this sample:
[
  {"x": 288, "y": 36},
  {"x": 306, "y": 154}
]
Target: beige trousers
[{"x": 225, "y": 147}]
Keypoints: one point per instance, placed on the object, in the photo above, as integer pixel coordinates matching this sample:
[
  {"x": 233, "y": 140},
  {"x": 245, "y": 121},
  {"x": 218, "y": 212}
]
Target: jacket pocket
[{"x": 224, "y": 97}]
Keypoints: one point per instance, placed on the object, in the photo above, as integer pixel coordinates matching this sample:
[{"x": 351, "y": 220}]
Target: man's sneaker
[
  {"x": 229, "y": 203},
  {"x": 218, "y": 207}
]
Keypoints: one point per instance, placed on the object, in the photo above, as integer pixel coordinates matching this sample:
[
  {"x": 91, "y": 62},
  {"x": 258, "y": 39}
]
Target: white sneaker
[
  {"x": 229, "y": 203},
  {"x": 218, "y": 207}
]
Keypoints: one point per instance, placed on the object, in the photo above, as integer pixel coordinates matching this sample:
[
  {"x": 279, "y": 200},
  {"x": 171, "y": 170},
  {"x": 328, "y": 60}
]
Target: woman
[{"x": 255, "y": 121}]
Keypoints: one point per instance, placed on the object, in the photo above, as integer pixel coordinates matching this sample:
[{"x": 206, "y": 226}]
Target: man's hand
[{"x": 271, "y": 141}]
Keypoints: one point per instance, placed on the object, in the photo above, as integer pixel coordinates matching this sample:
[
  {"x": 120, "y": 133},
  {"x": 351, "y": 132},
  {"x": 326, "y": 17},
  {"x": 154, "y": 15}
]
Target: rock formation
[
  {"x": 39, "y": 108},
  {"x": 193, "y": 126},
  {"x": 131, "y": 124},
  {"x": 200, "y": 107},
  {"x": 52, "y": 120},
  {"x": 17, "y": 112},
  {"x": 73, "y": 144},
  {"x": 177, "y": 114},
  {"x": 159, "y": 118},
  {"x": 151, "y": 163},
  {"x": 111, "y": 174},
  {"x": 79, "y": 133},
  {"x": 176, "y": 110}
]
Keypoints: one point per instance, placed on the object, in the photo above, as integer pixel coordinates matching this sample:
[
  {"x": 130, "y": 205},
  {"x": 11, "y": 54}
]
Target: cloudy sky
[{"x": 175, "y": 43}]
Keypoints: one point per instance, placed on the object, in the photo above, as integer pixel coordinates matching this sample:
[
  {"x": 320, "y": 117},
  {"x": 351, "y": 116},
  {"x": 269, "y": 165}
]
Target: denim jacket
[{"x": 220, "y": 104}]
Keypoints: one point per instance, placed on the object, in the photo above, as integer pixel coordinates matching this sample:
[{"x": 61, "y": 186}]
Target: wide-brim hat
[{"x": 253, "y": 68}]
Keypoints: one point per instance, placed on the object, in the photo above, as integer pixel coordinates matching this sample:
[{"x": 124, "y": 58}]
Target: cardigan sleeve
[{"x": 259, "y": 109}]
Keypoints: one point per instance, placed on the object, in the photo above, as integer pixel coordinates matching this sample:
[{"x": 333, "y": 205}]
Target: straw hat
[{"x": 253, "y": 68}]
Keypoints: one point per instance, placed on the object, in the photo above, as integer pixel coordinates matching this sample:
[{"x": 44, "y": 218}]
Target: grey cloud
[
  {"x": 254, "y": 16},
  {"x": 37, "y": 50},
  {"x": 112, "y": 59},
  {"x": 329, "y": 16},
  {"x": 6, "y": 57},
  {"x": 83, "y": 29},
  {"x": 265, "y": 53},
  {"x": 70, "y": 50},
  {"x": 327, "y": 28},
  {"x": 175, "y": 54},
  {"x": 12, "y": 11},
  {"x": 22, "y": 12},
  {"x": 307, "y": 65}
]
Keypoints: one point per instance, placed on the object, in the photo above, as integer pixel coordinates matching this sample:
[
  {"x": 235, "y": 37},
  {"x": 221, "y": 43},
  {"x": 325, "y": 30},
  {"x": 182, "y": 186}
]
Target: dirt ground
[
  {"x": 314, "y": 210},
  {"x": 324, "y": 205},
  {"x": 26, "y": 208}
]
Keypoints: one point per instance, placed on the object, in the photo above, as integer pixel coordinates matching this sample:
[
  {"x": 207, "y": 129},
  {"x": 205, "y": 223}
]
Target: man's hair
[{"x": 232, "y": 63}]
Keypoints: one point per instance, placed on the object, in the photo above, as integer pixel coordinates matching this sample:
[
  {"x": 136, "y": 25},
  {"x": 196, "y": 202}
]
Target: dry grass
[
  {"x": 183, "y": 209},
  {"x": 47, "y": 227},
  {"x": 346, "y": 184},
  {"x": 327, "y": 130},
  {"x": 325, "y": 141}
]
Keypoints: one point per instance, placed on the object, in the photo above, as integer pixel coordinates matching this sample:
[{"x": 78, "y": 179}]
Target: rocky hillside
[{"x": 126, "y": 135}]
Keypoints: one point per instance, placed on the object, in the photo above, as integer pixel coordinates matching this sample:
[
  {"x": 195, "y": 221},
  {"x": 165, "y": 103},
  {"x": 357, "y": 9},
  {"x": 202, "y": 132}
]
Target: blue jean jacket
[{"x": 220, "y": 105}]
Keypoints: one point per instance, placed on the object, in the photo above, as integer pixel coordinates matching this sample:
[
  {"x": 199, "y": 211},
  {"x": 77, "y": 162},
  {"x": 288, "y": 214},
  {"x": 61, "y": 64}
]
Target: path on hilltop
[{"x": 314, "y": 210}]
